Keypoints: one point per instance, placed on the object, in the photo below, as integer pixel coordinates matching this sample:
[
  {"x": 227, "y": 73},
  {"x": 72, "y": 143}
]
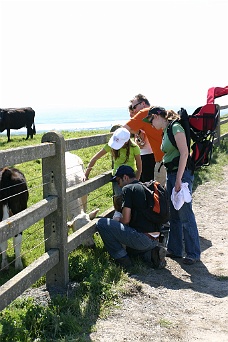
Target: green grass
[
  {"x": 164, "y": 323},
  {"x": 101, "y": 282},
  {"x": 32, "y": 246}
]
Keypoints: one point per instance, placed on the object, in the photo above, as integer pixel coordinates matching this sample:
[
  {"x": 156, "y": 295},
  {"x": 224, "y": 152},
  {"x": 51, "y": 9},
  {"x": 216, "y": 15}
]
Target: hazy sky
[{"x": 101, "y": 53}]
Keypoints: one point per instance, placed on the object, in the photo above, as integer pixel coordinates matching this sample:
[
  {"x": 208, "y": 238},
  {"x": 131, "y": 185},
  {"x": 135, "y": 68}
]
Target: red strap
[
  {"x": 215, "y": 92},
  {"x": 156, "y": 208}
]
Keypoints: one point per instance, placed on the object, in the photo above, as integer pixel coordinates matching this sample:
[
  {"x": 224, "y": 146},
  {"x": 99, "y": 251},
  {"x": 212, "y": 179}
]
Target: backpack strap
[
  {"x": 170, "y": 133},
  {"x": 153, "y": 194},
  {"x": 175, "y": 162}
]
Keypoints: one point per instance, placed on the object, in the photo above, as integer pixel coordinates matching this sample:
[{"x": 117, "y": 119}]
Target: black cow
[
  {"x": 16, "y": 118},
  {"x": 13, "y": 199}
]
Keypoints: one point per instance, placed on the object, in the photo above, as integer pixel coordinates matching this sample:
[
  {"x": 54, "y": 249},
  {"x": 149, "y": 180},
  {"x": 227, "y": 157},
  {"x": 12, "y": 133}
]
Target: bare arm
[
  {"x": 130, "y": 130},
  {"x": 180, "y": 139},
  {"x": 92, "y": 162},
  {"x": 138, "y": 165},
  {"x": 126, "y": 213}
]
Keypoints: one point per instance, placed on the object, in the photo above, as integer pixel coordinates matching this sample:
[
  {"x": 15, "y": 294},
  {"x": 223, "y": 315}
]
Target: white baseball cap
[{"x": 119, "y": 138}]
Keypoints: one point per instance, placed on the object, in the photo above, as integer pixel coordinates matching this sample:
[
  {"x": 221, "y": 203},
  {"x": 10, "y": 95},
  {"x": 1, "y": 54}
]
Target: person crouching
[{"x": 132, "y": 229}]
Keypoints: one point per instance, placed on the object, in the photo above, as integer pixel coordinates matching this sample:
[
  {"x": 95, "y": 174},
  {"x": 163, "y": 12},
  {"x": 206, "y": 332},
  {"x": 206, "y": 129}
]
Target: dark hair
[
  {"x": 141, "y": 98},
  {"x": 169, "y": 115},
  {"x": 116, "y": 153},
  {"x": 130, "y": 107},
  {"x": 115, "y": 127}
]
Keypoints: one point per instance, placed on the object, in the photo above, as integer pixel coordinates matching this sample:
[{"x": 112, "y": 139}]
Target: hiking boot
[
  {"x": 158, "y": 257},
  {"x": 124, "y": 262},
  {"x": 190, "y": 261},
  {"x": 173, "y": 256}
]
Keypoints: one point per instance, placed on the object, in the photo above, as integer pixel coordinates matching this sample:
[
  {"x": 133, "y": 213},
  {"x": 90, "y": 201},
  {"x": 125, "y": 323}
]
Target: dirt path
[{"x": 181, "y": 303}]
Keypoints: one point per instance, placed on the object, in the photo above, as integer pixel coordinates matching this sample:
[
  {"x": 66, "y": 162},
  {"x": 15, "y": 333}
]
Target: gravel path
[{"x": 181, "y": 303}]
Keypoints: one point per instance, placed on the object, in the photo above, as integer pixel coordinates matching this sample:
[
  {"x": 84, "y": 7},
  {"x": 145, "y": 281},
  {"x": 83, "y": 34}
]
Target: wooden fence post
[{"x": 55, "y": 224}]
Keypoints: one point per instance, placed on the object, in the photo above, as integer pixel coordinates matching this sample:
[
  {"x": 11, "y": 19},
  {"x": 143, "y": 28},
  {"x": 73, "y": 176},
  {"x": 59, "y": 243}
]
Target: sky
[{"x": 68, "y": 54}]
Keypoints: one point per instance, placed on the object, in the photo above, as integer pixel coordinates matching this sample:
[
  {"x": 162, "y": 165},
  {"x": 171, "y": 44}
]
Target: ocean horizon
[{"x": 79, "y": 119}]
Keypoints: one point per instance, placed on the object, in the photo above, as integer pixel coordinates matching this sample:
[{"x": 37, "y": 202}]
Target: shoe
[
  {"x": 124, "y": 262},
  {"x": 189, "y": 261},
  {"x": 158, "y": 257},
  {"x": 172, "y": 256},
  {"x": 133, "y": 252}
]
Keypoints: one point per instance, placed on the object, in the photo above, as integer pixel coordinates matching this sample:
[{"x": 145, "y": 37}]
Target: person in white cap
[{"x": 124, "y": 151}]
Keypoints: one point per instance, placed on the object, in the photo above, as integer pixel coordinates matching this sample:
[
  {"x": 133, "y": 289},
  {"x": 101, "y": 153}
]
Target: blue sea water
[
  {"x": 81, "y": 119},
  {"x": 78, "y": 119}
]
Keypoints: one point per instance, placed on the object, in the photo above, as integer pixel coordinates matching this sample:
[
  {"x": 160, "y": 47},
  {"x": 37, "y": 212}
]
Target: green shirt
[
  {"x": 167, "y": 147},
  {"x": 134, "y": 151}
]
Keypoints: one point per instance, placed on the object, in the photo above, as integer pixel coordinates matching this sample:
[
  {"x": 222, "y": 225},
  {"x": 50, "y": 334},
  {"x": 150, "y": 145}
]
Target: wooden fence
[{"x": 54, "y": 262}]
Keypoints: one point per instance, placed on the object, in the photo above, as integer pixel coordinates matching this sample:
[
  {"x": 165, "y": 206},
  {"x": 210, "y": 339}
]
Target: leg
[
  {"x": 175, "y": 239},
  {"x": 187, "y": 217},
  {"x": 84, "y": 202},
  {"x": 183, "y": 222},
  {"x": 8, "y": 134},
  {"x": 3, "y": 249},
  {"x": 27, "y": 132},
  {"x": 160, "y": 173},
  {"x": 148, "y": 164},
  {"x": 17, "y": 249},
  {"x": 115, "y": 234}
]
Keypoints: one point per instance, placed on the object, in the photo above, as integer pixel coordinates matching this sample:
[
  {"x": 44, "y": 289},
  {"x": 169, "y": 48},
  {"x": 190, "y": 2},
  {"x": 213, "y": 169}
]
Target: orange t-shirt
[{"x": 154, "y": 136}]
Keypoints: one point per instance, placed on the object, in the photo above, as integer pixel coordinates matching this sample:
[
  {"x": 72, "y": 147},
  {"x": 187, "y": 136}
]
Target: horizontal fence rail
[
  {"x": 54, "y": 262},
  {"x": 52, "y": 209},
  {"x": 26, "y": 218}
]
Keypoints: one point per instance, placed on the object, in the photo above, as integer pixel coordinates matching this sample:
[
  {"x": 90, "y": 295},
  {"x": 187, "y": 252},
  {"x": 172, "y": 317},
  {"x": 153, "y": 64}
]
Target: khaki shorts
[{"x": 160, "y": 173}]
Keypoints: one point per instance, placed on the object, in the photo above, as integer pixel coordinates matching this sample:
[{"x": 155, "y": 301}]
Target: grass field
[{"x": 101, "y": 281}]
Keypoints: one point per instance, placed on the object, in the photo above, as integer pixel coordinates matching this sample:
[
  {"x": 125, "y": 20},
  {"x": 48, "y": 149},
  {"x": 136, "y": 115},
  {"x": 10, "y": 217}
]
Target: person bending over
[
  {"x": 147, "y": 156},
  {"x": 123, "y": 151},
  {"x": 176, "y": 161},
  {"x": 141, "y": 106}
]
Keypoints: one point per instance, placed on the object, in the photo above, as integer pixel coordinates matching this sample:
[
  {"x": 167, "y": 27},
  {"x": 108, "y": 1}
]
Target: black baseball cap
[
  {"x": 153, "y": 110},
  {"x": 123, "y": 170}
]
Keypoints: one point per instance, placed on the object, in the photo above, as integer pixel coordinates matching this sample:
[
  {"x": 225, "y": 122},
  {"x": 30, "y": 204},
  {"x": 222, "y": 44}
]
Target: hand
[
  {"x": 116, "y": 219},
  {"x": 177, "y": 185}
]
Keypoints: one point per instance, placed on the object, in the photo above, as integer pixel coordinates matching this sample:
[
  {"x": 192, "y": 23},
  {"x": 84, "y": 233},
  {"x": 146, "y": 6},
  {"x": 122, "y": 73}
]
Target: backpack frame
[{"x": 200, "y": 128}]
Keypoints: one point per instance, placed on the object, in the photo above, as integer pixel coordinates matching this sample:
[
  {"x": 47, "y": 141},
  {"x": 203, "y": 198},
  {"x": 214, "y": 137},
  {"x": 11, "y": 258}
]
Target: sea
[{"x": 79, "y": 119}]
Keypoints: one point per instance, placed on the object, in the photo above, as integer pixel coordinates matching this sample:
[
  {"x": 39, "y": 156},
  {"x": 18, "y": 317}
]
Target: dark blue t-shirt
[{"x": 134, "y": 198}]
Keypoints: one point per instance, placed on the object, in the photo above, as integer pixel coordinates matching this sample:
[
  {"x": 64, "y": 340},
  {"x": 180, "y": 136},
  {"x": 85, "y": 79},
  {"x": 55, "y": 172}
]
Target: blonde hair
[{"x": 171, "y": 115}]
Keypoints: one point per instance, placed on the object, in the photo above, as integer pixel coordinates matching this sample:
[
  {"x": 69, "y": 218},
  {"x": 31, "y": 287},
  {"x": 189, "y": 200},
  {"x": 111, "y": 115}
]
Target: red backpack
[{"x": 200, "y": 128}]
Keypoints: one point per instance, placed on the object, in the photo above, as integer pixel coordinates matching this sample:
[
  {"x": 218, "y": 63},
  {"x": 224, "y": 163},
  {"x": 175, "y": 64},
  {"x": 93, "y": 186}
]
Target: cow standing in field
[
  {"x": 13, "y": 199},
  {"x": 16, "y": 118}
]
